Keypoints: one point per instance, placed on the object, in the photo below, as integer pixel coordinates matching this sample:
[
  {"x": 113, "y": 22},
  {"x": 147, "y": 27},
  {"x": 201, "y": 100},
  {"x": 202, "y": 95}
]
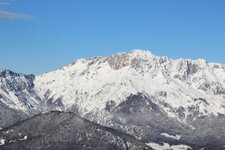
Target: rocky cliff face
[{"x": 135, "y": 92}]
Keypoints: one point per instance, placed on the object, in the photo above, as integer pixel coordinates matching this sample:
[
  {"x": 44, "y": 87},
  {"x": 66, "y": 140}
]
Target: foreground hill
[{"x": 65, "y": 131}]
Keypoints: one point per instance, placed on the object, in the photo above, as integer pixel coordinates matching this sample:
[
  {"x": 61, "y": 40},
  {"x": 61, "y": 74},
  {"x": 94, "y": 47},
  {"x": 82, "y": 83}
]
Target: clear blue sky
[{"x": 42, "y": 35}]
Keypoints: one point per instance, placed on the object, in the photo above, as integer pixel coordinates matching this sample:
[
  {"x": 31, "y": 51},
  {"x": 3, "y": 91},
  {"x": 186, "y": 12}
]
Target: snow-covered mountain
[
  {"x": 182, "y": 84},
  {"x": 137, "y": 92}
]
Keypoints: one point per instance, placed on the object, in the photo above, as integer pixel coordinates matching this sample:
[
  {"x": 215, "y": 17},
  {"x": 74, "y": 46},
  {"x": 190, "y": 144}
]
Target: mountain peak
[
  {"x": 142, "y": 52},
  {"x": 133, "y": 58},
  {"x": 136, "y": 53}
]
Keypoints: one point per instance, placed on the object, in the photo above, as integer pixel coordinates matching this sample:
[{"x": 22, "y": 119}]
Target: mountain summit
[{"x": 152, "y": 98}]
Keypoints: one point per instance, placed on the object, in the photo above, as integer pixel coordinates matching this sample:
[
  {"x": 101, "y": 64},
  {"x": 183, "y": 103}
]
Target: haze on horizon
[{"x": 39, "y": 36}]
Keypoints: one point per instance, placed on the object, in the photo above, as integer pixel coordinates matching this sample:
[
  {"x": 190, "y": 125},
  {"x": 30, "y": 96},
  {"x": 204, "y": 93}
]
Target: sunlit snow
[{"x": 166, "y": 146}]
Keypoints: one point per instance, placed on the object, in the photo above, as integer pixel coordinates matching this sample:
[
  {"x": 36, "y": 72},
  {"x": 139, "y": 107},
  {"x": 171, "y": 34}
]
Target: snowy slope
[
  {"x": 17, "y": 90},
  {"x": 18, "y": 99}
]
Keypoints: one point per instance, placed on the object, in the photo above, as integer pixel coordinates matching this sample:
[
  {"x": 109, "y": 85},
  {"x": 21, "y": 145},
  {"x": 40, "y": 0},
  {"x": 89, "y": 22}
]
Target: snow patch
[
  {"x": 9, "y": 131},
  {"x": 177, "y": 137},
  {"x": 12, "y": 141},
  {"x": 2, "y": 141},
  {"x": 24, "y": 138},
  {"x": 166, "y": 146}
]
